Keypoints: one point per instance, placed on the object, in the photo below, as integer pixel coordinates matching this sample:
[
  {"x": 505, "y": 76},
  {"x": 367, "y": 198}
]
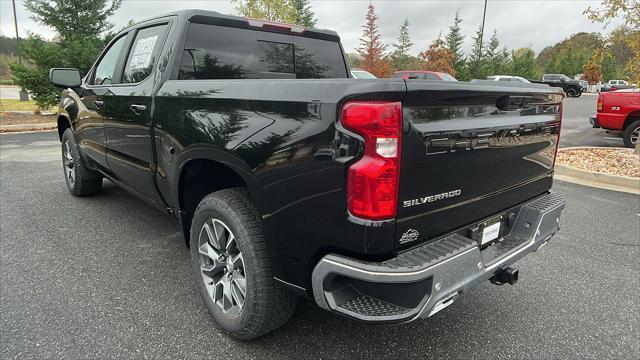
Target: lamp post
[
  {"x": 23, "y": 95},
  {"x": 15, "y": 25},
  {"x": 484, "y": 14}
]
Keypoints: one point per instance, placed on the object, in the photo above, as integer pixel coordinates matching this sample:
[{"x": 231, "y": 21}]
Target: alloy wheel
[
  {"x": 222, "y": 267},
  {"x": 68, "y": 162},
  {"x": 635, "y": 134}
]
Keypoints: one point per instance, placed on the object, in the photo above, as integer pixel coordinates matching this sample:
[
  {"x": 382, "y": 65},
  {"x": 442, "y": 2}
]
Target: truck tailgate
[{"x": 470, "y": 152}]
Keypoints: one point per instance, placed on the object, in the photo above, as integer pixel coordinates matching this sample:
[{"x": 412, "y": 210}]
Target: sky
[{"x": 519, "y": 23}]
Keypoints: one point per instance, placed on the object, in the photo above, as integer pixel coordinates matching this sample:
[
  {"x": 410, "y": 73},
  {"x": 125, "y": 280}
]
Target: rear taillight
[
  {"x": 372, "y": 181},
  {"x": 555, "y": 154},
  {"x": 600, "y": 102}
]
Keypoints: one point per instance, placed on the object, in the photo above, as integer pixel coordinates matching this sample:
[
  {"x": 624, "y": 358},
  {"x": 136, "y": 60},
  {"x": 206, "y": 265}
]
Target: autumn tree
[
  {"x": 592, "y": 70},
  {"x": 454, "y": 40},
  {"x": 438, "y": 57},
  {"x": 371, "y": 49},
  {"x": 286, "y": 11},
  {"x": 400, "y": 57},
  {"x": 629, "y": 10}
]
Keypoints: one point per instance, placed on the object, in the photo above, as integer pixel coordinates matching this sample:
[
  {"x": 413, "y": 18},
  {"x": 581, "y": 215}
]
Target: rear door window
[
  {"x": 144, "y": 53},
  {"x": 217, "y": 52}
]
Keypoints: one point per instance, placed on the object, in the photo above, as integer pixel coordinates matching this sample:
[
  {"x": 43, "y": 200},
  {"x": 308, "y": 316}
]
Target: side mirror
[{"x": 65, "y": 78}]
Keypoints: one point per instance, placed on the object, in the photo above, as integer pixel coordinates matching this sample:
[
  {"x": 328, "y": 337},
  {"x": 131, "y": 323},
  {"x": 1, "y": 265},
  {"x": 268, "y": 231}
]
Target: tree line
[
  {"x": 80, "y": 38},
  {"x": 591, "y": 54}
]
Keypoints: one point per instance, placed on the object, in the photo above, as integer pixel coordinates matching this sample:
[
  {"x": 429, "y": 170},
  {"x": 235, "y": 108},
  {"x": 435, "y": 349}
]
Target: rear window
[
  {"x": 447, "y": 77},
  {"x": 217, "y": 52}
]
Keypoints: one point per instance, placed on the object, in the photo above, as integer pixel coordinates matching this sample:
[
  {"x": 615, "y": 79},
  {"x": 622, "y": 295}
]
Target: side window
[
  {"x": 143, "y": 54},
  {"x": 107, "y": 65},
  {"x": 428, "y": 76},
  {"x": 504, "y": 79}
]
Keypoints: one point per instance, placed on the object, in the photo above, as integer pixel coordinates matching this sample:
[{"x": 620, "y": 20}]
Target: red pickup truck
[{"x": 619, "y": 111}]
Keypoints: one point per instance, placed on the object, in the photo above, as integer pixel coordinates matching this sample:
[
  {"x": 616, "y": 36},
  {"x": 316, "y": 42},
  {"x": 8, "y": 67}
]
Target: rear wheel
[
  {"x": 80, "y": 180},
  {"x": 571, "y": 92},
  {"x": 232, "y": 269},
  {"x": 631, "y": 134}
]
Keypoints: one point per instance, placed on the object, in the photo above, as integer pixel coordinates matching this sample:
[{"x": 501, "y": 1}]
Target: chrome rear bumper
[{"x": 424, "y": 280}]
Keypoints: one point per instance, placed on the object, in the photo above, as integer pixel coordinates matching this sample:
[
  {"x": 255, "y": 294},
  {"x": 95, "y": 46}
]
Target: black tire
[
  {"x": 266, "y": 306},
  {"x": 80, "y": 180},
  {"x": 571, "y": 92},
  {"x": 631, "y": 131},
  {"x": 579, "y": 93}
]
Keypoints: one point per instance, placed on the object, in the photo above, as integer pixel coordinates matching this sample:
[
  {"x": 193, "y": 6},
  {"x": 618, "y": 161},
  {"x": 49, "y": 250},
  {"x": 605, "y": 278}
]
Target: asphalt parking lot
[{"x": 108, "y": 277}]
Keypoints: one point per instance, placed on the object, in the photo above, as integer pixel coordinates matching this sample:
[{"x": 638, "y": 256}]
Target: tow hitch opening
[{"x": 505, "y": 276}]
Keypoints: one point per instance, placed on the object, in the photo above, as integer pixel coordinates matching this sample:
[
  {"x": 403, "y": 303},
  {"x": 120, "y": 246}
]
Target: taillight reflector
[{"x": 372, "y": 181}]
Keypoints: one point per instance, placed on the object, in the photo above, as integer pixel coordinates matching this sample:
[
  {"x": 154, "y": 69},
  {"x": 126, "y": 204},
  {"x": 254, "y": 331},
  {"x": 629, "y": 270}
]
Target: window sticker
[{"x": 142, "y": 53}]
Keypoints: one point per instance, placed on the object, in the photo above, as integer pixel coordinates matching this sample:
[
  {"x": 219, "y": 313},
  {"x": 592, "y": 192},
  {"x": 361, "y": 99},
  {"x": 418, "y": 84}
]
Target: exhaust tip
[{"x": 505, "y": 276}]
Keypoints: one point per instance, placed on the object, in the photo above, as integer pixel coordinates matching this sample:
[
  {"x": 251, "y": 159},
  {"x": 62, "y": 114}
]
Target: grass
[{"x": 17, "y": 105}]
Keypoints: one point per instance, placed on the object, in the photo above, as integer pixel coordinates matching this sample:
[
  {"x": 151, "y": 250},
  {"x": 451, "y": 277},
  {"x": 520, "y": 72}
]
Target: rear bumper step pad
[{"x": 424, "y": 280}]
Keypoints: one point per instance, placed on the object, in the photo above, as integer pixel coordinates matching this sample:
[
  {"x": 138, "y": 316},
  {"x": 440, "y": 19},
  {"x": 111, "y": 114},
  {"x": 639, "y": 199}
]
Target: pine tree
[
  {"x": 400, "y": 57},
  {"x": 371, "y": 49},
  {"x": 523, "y": 63},
  {"x": 80, "y": 28},
  {"x": 494, "y": 58},
  {"x": 302, "y": 14},
  {"x": 455, "y": 40},
  {"x": 74, "y": 18},
  {"x": 438, "y": 57},
  {"x": 476, "y": 63}
]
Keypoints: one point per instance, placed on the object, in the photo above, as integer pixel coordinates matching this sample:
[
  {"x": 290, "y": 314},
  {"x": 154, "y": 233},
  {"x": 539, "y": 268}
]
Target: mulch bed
[
  {"x": 39, "y": 122},
  {"x": 612, "y": 161},
  {"x": 13, "y": 118}
]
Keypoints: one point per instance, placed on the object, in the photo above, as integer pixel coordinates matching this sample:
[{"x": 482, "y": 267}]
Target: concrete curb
[
  {"x": 596, "y": 179},
  {"x": 28, "y": 127}
]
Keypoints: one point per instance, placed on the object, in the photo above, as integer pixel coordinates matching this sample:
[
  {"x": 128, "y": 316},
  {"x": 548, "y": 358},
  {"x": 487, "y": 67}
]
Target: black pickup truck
[
  {"x": 573, "y": 88},
  {"x": 381, "y": 199}
]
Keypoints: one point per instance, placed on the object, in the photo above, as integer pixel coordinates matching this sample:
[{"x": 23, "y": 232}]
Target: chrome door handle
[
  {"x": 98, "y": 104},
  {"x": 137, "y": 108}
]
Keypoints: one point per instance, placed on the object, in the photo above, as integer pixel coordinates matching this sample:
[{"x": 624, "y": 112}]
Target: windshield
[
  {"x": 361, "y": 74},
  {"x": 564, "y": 77}
]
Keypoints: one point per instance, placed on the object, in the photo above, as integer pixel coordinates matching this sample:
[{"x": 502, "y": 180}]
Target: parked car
[
  {"x": 517, "y": 79},
  {"x": 423, "y": 75},
  {"x": 378, "y": 200},
  {"x": 614, "y": 85},
  {"x": 362, "y": 74},
  {"x": 573, "y": 88},
  {"x": 619, "y": 111}
]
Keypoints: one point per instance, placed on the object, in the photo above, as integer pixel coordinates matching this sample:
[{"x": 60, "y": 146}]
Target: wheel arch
[
  {"x": 633, "y": 116},
  {"x": 199, "y": 176},
  {"x": 63, "y": 125}
]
